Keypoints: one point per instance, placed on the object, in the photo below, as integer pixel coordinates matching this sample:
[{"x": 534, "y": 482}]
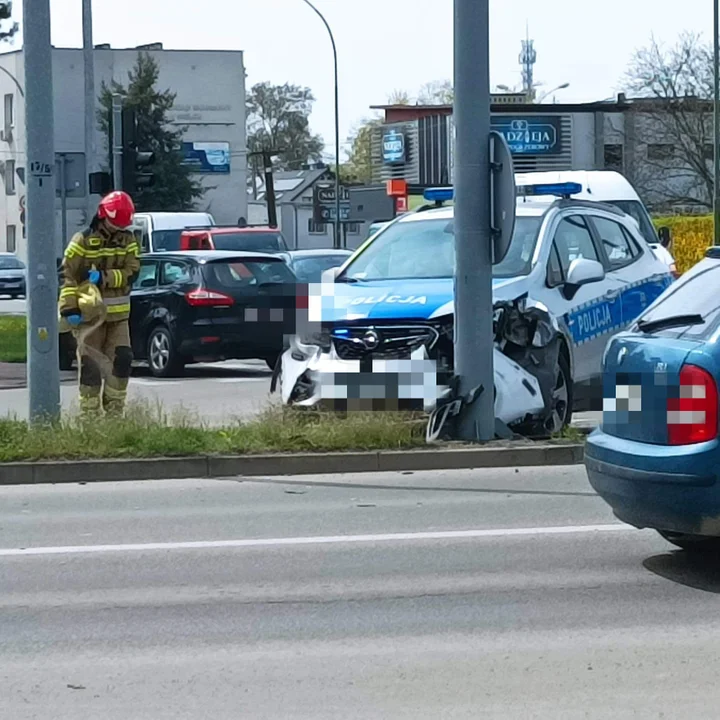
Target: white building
[{"x": 210, "y": 104}]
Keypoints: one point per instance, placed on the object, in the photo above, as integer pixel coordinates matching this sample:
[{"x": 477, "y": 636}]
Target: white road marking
[
  {"x": 240, "y": 380},
  {"x": 318, "y": 540}
]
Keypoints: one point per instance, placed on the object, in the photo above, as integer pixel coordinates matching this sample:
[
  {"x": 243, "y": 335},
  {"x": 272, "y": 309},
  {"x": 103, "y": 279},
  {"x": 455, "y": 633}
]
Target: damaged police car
[{"x": 380, "y": 334}]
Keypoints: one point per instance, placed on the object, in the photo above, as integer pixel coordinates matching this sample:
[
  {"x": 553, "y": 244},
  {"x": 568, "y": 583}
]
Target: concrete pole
[
  {"x": 716, "y": 129},
  {"x": 91, "y": 160},
  {"x": 42, "y": 293},
  {"x": 117, "y": 146},
  {"x": 62, "y": 186},
  {"x": 473, "y": 265}
]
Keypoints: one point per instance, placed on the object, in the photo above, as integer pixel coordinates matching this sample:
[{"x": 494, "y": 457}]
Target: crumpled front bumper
[{"x": 313, "y": 377}]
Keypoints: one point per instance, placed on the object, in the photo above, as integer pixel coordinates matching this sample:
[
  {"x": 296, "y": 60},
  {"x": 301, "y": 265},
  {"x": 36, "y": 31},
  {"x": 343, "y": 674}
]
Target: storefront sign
[
  {"x": 393, "y": 147},
  {"x": 207, "y": 157},
  {"x": 530, "y": 135}
]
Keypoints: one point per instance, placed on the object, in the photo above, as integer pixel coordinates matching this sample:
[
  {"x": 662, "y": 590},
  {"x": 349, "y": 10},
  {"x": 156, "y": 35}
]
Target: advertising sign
[
  {"x": 324, "y": 209},
  {"x": 393, "y": 147},
  {"x": 207, "y": 157},
  {"x": 528, "y": 135}
]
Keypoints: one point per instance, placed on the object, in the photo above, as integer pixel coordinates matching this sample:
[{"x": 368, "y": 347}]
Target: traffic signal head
[
  {"x": 137, "y": 164},
  {"x": 144, "y": 176}
]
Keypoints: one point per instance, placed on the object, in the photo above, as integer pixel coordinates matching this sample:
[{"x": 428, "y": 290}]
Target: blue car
[{"x": 656, "y": 457}]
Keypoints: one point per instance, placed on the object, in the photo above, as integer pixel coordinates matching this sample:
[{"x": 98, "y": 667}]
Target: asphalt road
[
  {"x": 478, "y": 594},
  {"x": 11, "y": 307}
]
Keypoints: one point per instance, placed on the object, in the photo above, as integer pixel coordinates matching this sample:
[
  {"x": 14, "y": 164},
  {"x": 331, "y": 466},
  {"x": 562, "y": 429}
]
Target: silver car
[{"x": 13, "y": 276}]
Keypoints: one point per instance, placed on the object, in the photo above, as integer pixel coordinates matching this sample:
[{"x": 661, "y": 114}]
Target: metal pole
[
  {"x": 336, "y": 237},
  {"x": 62, "y": 181},
  {"x": 117, "y": 144},
  {"x": 716, "y": 129},
  {"x": 43, "y": 369},
  {"x": 473, "y": 265},
  {"x": 91, "y": 160}
]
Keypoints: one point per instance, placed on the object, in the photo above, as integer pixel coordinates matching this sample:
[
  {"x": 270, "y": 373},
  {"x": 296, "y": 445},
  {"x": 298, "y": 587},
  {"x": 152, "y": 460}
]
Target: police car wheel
[
  {"x": 561, "y": 413},
  {"x": 692, "y": 543}
]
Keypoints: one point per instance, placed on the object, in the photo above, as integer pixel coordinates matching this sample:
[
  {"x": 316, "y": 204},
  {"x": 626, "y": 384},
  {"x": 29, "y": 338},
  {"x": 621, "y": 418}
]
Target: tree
[
  {"x": 674, "y": 87},
  {"x": 358, "y": 168},
  {"x": 279, "y": 119},
  {"x": 175, "y": 188},
  {"x": 437, "y": 92},
  {"x": 398, "y": 97},
  {"x": 7, "y": 32}
]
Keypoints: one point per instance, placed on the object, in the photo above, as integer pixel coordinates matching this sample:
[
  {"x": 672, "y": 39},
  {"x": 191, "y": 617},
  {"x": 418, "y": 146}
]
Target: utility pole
[
  {"x": 716, "y": 130},
  {"x": 117, "y": 141},
  {"x": 473, "y": 256},
  {"x": 91, "y": 163},
  {"x": 42, "y": 280}
]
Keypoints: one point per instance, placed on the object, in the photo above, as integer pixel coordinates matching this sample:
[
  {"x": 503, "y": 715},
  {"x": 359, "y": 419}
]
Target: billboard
[
  {"x": 393, "y": 147},
  {"x": 207, "y": 157},
  {"x": 528, "y": 135}
]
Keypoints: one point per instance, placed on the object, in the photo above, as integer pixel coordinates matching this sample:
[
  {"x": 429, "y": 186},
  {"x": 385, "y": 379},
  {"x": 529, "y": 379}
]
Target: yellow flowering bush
[{"x": 692, "y": 236}]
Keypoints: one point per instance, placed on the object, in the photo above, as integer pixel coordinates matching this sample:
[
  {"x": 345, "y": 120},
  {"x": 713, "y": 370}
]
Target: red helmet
[{"x": 117, "y": 209}]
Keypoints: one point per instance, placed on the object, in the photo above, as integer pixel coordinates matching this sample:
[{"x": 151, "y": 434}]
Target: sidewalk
[{"x": 14, "y": 375}]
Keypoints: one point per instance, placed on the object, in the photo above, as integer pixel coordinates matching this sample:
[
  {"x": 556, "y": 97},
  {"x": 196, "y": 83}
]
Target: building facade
[{"x": 211, "y": 114}]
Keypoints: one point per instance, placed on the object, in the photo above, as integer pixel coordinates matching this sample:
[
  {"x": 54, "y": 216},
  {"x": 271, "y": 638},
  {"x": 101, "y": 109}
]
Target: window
[
  {"x": 174, "y": 271},
  {"x": 425, "y": 248},
  {"x": 636, "y": 210},
  {"x": 310, "y": 269},
  {"x": 252, "y": 241},
  {"x": 9, "y": 112},
  {"x": 573, "y": 241},
  {"x": 619, "y": 247},
  {"x": 11, "y": 238},
  {"x": 147, "y": 277},
  {"x": 316, "y": 228},
  {"x": 249, "y": 274},
  {"x": 660, "y": 151},
  {"x": 614, "y": 157},
  {"x": 352, "y": 228},
  {"x": 555, "y": 273},
  {"x": 9, "y": 177}
]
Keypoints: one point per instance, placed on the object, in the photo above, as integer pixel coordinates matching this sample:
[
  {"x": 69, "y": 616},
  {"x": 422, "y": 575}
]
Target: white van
[
  {"x": 604, "y": 186},
  {"x": 160, "y": 231}
]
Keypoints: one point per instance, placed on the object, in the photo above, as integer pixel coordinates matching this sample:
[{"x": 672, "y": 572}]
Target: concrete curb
[{"x": 27, "y": 473}]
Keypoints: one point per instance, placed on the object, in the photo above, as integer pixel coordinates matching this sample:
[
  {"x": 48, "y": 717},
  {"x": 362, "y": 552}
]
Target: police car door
[
  {"x": 634, "y": 264},
  {"x": 592, "y": 312}
]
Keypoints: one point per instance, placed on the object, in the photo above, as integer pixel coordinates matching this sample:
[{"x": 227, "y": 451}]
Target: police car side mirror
[
  {"x": 582, "y": 272},
  {"x": 330, "y": 275}
]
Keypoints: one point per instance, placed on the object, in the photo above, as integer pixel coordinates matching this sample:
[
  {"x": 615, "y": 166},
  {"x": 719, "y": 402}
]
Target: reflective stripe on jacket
[{"x": 115, "y": 255}]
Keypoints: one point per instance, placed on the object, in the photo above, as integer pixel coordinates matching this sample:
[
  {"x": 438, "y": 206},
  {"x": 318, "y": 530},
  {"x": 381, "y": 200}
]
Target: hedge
[{"x": 692, "y": 235}]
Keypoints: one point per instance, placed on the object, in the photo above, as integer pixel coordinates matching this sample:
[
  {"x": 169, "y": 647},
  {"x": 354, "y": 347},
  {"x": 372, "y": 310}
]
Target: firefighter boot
[{"x": 90, "y": 386}]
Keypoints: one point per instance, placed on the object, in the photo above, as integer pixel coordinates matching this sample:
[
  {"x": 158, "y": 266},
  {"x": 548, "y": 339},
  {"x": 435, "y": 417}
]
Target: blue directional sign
[{"x": 393, "y": 147}]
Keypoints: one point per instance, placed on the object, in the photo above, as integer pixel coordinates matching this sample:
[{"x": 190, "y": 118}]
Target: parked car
[
  {"x": 252, "y": 238},
  {"x": 13, "y": 276},
  {"x": 656, "y": 457},
  {"x": 160, "y": 231},
  {"x": 309, "y": 265},
  {"x": 208, "y": 306},
  {"x": 586, "y": 262}
]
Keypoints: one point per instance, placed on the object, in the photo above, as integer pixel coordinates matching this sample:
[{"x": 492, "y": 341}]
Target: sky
[{"x": 384, "y": 45}]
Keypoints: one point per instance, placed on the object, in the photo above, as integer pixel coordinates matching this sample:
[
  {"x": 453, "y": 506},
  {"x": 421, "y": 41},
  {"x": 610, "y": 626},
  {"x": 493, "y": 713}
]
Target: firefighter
[{"x": 108, "y": 256}]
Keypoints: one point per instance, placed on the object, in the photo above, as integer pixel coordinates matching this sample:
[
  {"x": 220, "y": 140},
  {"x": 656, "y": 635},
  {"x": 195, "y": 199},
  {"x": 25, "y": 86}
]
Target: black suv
[{"x": 209, "y": 306}]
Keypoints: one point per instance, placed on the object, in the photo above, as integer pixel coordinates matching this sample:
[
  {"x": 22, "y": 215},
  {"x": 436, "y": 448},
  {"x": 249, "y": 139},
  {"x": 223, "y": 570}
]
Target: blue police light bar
[
  {"x": 563, "y": 190},
  {"x": 439, "y": 195}
]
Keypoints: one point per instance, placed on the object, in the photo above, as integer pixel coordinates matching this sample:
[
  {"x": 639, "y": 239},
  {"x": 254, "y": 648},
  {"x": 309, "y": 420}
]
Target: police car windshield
[{"x": 424, "y": 249}]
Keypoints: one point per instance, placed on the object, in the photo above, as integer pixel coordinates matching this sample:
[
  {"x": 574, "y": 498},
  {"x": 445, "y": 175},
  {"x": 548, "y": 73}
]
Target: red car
[{"x": 235, "y": 239}]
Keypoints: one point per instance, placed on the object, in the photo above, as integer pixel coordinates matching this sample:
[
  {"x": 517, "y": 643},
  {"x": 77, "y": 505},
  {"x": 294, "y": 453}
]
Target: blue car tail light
[{"x": 693, "y": 416}]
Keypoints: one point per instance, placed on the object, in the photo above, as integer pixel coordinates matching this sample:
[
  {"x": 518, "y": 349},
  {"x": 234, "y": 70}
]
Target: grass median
[
  {"x": 13, "y": 339},
  {"x": 148, "y": 431}
]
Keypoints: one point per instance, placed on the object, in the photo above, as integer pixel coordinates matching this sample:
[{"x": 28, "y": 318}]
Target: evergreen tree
[{"x": 175, "y": 188}]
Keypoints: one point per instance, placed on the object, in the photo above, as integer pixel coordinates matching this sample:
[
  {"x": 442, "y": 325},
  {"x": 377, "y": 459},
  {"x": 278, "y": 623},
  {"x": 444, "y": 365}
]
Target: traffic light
[{"x": 137, "y": 164}]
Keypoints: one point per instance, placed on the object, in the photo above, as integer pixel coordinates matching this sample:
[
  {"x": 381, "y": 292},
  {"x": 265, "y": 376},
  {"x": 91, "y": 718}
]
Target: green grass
[
  {"x": 13, "y": 339},
  {"x": 147, "y": 431}
]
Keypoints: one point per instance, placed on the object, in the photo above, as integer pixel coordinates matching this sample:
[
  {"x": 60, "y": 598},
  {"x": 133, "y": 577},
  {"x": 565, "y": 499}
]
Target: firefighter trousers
[{"x": 105, "y": 358}]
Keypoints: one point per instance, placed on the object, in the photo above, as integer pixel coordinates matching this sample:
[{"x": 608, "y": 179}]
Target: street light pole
[
  {"x": 564, "y": 86},
  {"x": 716, "y": 122},
  {"x": 473, "y": 257},
  {"x": 336, "y": 239}
]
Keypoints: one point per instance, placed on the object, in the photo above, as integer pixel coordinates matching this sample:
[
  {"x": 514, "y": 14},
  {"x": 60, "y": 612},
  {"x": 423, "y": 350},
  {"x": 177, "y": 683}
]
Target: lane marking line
[{"x": 318, "y": 540}]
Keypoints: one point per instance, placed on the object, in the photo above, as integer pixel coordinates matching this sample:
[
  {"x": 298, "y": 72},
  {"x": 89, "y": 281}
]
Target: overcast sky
[{"x": 392, "y": 44}]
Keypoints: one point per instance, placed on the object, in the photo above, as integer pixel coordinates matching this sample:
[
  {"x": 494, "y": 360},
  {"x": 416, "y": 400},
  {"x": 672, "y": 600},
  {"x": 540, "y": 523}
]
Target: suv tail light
[
  {"x": 693, "y": 417},
  {"x": 208, "y": 298}
]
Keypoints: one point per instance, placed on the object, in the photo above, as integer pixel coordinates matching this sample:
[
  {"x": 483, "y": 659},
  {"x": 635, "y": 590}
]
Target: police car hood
[{"x": 404, "y": 299}]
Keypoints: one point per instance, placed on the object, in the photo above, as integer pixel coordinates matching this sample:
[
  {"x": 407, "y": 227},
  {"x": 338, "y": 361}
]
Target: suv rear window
[
  {"x": 695, "y": 293},
  {"x": 235, "y": 275},
  {"x": 250, "y": 241}
]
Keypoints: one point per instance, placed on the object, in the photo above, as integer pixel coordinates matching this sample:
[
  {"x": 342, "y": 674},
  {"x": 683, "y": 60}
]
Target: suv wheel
[{"x": 163, "y": 359}]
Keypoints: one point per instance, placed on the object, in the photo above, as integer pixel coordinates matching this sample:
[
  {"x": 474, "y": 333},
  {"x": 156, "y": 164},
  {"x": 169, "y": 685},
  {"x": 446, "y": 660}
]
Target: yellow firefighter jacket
[{"x": 115, "y": 255}]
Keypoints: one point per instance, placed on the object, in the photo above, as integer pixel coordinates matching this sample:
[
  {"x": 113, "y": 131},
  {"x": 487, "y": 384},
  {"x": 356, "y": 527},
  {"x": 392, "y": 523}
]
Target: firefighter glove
[
  {"x": 74, "y": 320},
  {"x": 94, "y": 277}
]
